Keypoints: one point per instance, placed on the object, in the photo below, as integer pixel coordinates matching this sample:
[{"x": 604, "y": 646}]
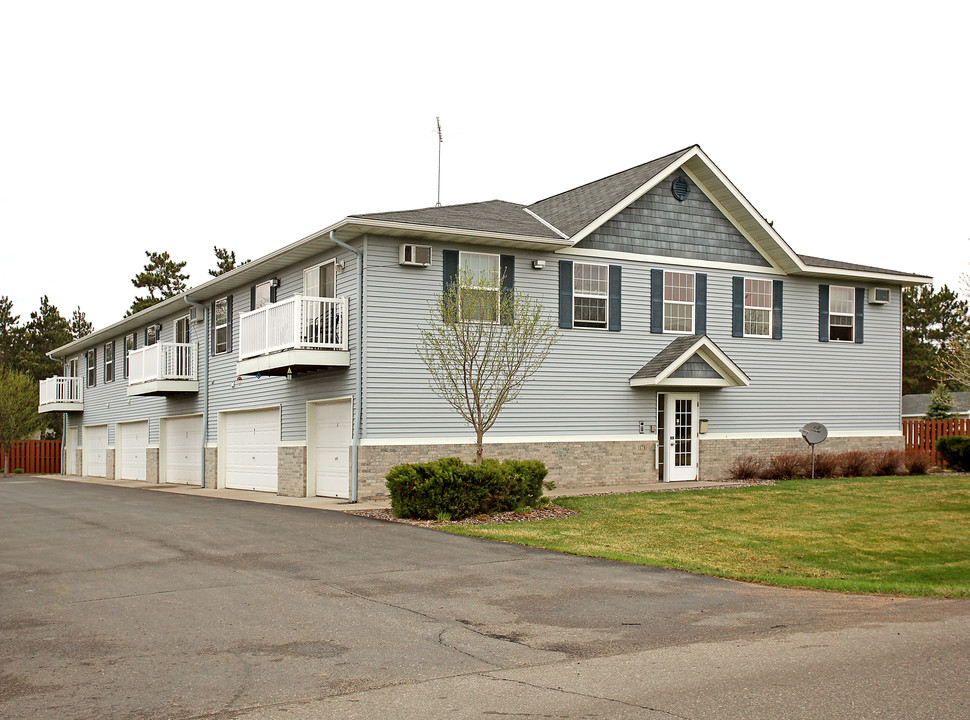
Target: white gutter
[
  {"x": 359, "y": 372},
  {"x": 205, "y": 388}
]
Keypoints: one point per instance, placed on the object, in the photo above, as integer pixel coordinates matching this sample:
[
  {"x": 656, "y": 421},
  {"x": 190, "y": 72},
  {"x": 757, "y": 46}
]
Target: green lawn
[{"x": 895, "y": 535}]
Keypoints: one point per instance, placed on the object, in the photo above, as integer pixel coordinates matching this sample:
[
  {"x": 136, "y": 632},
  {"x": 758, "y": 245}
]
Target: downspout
[
  {"x": 63, "y": 421},
  {"x": 359, "y": 379},
  {"x": 205, "y": 386}
]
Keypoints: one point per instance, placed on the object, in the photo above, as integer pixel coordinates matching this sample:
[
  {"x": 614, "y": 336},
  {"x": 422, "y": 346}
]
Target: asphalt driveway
[{"x": 138, "y": 603}]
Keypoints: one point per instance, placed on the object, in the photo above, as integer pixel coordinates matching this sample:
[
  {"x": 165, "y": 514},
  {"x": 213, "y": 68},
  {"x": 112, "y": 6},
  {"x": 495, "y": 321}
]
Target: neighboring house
[
  {"x": 915, "y": 405},
  {"x": 691, "y": 333}
]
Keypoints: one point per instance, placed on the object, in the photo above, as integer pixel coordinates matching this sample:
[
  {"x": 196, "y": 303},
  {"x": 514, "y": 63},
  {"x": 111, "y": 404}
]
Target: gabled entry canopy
[{"x": 690, "y": 361}]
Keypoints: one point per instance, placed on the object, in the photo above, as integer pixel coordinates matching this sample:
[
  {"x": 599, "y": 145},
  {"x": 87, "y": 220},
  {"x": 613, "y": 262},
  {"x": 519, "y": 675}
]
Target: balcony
[
  {"x": 163, "y": 369},
  {"x": 61, "y": 394},
  {"x": 296, "y": 334}
]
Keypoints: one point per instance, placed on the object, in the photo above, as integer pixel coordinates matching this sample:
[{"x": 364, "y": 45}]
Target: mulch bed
[{"x": 546, "y": 513}]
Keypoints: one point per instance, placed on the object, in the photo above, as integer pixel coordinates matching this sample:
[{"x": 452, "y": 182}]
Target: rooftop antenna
[{"x": 440, "y": 141}]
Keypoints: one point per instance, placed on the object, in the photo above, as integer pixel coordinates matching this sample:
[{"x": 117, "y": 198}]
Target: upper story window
[
  {"x": 182, "y": 329},
  {"x": 261, "y": 294},
  {"x": 72, "y": 368},
  {"x": 678, "y": 302},
  {"x": 591, "y": 286},
  {"x": 221, "y": 324},
  {"x": 109, "y": 361},
  {"x": 479, "y": 279},
  {"x": 151, "y": 335},
  {"x": 757, "y": 307},
  {"x": 129, "y": 346},
  {"x": 92, "y": 367},
  {"x": 841, "y": 313},
  {"x": 318, "y": 281}
]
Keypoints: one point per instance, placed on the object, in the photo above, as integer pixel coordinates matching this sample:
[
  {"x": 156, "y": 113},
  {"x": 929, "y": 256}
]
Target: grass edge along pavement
[{"x": 899, "y": 535}]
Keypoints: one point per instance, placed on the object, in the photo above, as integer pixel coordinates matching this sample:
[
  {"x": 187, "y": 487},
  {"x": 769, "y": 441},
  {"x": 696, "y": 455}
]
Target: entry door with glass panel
[
  {"x": 183, "y": 362},
  {"x": 680, "y": 432},
  {"x": 320, "y": 322}
]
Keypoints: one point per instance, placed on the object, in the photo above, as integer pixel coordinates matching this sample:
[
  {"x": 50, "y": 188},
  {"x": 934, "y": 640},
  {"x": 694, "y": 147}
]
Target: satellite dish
[{"x": 814, "y": 433}]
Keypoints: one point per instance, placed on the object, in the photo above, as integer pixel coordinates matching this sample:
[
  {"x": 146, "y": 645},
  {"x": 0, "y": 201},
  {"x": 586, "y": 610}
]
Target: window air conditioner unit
[
  {"x": 196, "y": 315},
  {"x": 878, "y": 296},
  {"x": 416, "y": 255}
]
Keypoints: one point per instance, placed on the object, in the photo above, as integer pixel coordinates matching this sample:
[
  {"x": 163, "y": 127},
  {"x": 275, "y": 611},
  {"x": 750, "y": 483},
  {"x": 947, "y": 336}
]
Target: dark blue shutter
[
  {"x": 212, "y": 328},
  {"x": 252, "y": 297},
  {"x": 860, "y": 306},
  {"x": 700, "y": 304},
  {"x": 229, "y": 324},
  {"x": 272, "y": 290},
  {"x": 615, "y": 297},
  {"x": 565, "y": 294},
  {"x": 656, "y": 301},
  {"x": 823, "y": 313},
  {"x": 737, "y": 306},
  {"x": 777, "y": 303},
  {"x": 507, "y": 264},
  {"x": 449, "y": 267}
]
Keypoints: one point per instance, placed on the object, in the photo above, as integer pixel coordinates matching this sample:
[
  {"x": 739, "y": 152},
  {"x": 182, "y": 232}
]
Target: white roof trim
[
  {"x": 549, "y": 225},
  {"x": 731, "y": 374},
  {"x": 635, "y": 195}
]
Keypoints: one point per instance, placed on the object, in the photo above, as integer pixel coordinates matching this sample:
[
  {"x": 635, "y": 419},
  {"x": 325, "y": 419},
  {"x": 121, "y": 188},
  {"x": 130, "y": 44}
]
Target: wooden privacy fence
[
  {"x": 35, "y": 456},
  {"x": 922, "y": 435}
]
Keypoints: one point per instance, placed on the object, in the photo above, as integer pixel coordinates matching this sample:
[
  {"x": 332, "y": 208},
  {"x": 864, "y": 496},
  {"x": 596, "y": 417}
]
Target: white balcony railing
[
  {"x": 163, "y": 361},
  {"x": 297, "y": 323},
  {"x": 60, "y": 390}
]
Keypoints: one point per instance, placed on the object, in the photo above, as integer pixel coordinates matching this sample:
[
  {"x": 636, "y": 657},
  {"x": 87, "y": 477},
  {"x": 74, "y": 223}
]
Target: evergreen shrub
[
  {"x": 427, "y": 490},
  {"x": 955, "y": 451}
]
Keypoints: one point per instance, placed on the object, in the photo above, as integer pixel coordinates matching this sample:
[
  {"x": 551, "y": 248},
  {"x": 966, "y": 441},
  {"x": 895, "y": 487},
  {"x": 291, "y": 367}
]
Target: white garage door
[
  {"x": 132, "y": 444},
  {"x": 70, "y": 451},
  {"x": 251, "y": 443},
  {"x": 333, "y": 428},
  {"x": 95, "y": 439},
  {"x": 181, "y": 450}
]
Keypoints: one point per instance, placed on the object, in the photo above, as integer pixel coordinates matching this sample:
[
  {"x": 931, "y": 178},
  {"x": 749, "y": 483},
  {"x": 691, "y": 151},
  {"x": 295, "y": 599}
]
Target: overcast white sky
[{"x": 132, "y": 126}]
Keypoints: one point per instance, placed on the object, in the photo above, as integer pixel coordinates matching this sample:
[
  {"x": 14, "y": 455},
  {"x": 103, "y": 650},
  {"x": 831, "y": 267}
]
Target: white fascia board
[
  {"x": 635, "y": 195},
  {"x": 670, "y": 261},
  {"x": 843, "y": 274},
  {"x": 503, "y": 439},
  {"x": 730, "y": 218},
  {"x": 524, "y": 240},
  {"x": 549, "y": 225}
]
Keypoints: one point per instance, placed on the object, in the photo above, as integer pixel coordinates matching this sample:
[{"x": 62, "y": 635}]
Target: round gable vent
[{"x": 680, "y": 188}]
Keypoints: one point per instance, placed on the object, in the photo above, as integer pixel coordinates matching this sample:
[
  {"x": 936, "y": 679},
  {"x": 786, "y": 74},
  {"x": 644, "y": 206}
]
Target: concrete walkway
[{"x": 323, "y": 503}]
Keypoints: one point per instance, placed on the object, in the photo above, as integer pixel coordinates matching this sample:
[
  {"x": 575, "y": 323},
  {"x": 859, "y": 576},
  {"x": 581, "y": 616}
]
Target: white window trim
[
  {"x": 269, "y": 293},
  {"x": 91, "y": 367},
  {"x": 153, "y": 329},
  {"x": 605, "y": 296},
  {"x": 109, "y": 360},
  {"x": 497, "y": 289},
  {"x": 134, "y": 344},
  {"x": 188, "y": 328},
  {"x": 851, "y": 315},
  {"x": 692, "y": 304},
  {"x": 770, "y": 308},
  {"x": 216, "y": 326},
  {"x": 316, "y": 268}
]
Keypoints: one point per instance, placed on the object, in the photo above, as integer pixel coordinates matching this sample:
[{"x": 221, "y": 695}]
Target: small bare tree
[
  {"x": 481, "y": 344},
  {"x": 953, "y": 361}
]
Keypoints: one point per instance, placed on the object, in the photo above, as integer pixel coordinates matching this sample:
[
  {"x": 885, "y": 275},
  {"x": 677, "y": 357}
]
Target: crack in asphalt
[{"x": 589, "y": 695}]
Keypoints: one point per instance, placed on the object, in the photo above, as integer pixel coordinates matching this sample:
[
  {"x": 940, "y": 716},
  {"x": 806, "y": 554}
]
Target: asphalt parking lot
[{"x": 139, "y": 603}]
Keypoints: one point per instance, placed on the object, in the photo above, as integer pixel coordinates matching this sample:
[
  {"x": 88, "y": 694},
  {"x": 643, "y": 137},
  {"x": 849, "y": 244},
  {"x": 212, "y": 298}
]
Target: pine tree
[
  {"x": 225, "y": 261},
  {"x": 941, "y": 404},
  {"x": 80, "y": 326},
  {"x": 930, "y": 319},
  {"x": 162, "y": 276}
]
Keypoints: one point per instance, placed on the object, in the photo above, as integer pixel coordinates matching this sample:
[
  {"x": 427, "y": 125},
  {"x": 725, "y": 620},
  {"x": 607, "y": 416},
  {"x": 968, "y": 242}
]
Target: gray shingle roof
[
  {"x": 665, "y": 357},
  {"x": 574, "y": 209},
  {"x": 495, "y": 216},
  {"x": 916, "y": 404},
  {"x": 839, "y": 265}
]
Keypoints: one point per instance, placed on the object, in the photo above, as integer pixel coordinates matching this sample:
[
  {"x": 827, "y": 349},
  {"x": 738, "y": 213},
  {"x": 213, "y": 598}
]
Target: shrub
[
  {"x": 855, "y": 463},
  {"x": 955, "y": 451},
  {"x": 426, "y": 490},
  {"x": 786, "y": 466},
  {"x": 887, "y": 462},
  {"x": 916, "y": 462},
  {"x": 18, "y": 471},
  {"x": 746, "y": 467},
  {"x": 826, "y": 465}
]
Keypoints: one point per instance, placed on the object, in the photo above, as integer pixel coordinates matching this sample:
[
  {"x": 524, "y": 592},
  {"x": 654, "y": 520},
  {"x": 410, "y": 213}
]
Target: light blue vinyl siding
[{"x": 583, "y": 388}]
